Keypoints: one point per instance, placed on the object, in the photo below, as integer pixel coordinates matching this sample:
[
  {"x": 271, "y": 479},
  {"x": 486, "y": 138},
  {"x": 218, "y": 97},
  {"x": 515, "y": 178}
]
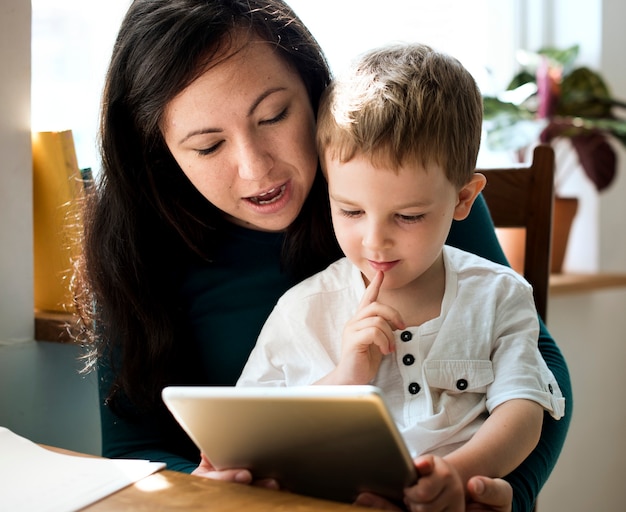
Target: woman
[{"x": 210, "y": 205}]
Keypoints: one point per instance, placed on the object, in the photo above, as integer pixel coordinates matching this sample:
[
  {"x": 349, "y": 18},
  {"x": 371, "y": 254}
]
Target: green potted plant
[{"x": 551, "y": 98}]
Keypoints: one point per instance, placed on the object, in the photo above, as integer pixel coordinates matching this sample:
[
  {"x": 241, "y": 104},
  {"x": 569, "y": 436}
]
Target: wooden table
[{"x": 170, "y": 490}]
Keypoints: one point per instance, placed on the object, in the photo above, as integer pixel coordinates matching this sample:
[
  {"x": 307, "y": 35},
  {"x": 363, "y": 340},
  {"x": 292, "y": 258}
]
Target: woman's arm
[
  {"x": 528, "y": 479},
  {"x": 476, "y": 234},
  {"x": 153, "y": 435}
]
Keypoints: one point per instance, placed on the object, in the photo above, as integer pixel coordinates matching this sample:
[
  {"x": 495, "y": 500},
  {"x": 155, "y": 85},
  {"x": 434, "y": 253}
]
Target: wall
[
  {"x": 590, "y": 327},
  {"x": 589, "y": 475},
  {"x": 42, "y": 395},
  {"x": 612, "y": 209},
  {"x": 16, "y": 259}
]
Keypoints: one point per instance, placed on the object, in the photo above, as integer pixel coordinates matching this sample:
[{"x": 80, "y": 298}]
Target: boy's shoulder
[{"x": 464, "y": 262}]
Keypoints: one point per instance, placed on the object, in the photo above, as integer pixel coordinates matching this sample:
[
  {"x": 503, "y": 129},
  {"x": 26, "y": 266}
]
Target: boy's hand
[
  {"x": 438, "y": 488},
  {"x": 367, "y": 337}
]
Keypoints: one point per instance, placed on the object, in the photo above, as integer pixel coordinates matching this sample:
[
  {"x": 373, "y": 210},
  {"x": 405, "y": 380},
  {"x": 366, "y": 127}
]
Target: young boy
[{"x": 450, "y": 338}]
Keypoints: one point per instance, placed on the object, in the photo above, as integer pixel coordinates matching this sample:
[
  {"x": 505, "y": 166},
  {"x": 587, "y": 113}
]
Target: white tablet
[{"x": 330, "y": 442}]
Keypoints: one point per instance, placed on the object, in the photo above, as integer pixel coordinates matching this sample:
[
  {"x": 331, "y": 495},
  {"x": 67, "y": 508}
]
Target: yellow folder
[{"x": 57, "y": 223}]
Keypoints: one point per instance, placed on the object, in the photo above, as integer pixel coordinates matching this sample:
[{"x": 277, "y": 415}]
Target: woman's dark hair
[{"x": 144, "y": 214}]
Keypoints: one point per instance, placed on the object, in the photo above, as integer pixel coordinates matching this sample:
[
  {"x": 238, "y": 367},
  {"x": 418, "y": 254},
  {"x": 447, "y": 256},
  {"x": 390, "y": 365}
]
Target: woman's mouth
[{"x": 269, "y": 197}]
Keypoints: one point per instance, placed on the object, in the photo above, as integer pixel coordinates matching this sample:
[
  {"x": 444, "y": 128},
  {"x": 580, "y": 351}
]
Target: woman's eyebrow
[
  {"x": 262, "y": 96},
  {"x": 201, "y": 131}
]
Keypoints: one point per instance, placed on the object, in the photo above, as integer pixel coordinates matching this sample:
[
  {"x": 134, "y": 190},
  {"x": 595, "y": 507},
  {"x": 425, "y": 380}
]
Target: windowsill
[
  {"x": 56, "y": 327},
  {"x": 53, "y": 326},
  {"x": 567, "y": 284}
]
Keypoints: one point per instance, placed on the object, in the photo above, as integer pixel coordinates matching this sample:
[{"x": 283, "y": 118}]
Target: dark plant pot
[{"x": 513, "y": 239}]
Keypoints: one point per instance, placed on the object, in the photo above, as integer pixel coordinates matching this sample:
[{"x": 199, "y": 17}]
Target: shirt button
[
  {"x": 414, "y": 388},
  {"x": 461, "y": 384},
  {"x": 408, "y": 360},
  {"x": 551, "y": 389},
  {"x": 406, "y": 336}
]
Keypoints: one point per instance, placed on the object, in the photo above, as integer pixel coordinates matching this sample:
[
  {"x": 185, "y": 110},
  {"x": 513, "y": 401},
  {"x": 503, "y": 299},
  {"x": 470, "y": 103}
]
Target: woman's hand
[
  {"x": 242, "y": 476},
  {"x": 484, "y": 494},
  {"x": 207, "y": 470},
  {"x": 489, "y": 495}
]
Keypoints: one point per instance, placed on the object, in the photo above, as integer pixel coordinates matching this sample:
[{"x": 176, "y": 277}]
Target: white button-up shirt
[{"x": 445, "y": 375}]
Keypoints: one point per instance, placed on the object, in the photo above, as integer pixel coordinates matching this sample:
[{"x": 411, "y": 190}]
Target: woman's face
[{"x": 243, "y": 133}]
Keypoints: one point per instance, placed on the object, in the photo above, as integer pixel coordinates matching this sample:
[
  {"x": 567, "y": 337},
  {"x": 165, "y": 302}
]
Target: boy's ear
[{"x": 468, "y": 194}]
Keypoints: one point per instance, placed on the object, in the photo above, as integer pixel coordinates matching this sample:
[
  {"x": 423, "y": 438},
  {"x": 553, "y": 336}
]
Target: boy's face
[{"x": 394, "y": 222}]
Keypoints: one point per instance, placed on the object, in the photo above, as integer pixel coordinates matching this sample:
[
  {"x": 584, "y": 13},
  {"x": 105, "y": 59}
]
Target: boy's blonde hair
[{"x": 403, "y": 102}]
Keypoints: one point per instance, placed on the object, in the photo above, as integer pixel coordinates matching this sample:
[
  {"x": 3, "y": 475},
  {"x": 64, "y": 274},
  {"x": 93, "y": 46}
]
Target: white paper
[{"x": 33, "y": 478}]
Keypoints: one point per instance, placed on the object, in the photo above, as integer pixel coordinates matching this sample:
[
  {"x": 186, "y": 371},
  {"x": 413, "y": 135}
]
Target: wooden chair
[{"x": 522, "y": 196}]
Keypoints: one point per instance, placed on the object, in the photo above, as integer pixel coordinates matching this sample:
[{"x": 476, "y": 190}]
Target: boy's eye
[
  {"x": 411, "y": 218},
  {"x": 351, "y": 213}
]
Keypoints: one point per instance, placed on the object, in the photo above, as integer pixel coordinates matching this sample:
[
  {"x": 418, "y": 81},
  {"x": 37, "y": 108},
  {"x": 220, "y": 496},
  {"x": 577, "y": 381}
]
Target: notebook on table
[{"x": 330, "y": 442}]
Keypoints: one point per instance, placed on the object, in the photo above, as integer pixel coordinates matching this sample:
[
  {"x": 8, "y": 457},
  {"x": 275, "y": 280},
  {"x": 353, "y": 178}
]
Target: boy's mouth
[{"x": 385, "y": 266}]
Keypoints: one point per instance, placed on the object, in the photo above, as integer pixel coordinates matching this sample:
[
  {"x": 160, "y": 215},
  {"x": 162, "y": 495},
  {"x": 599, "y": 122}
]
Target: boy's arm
[{"x": 504, "y": 440}]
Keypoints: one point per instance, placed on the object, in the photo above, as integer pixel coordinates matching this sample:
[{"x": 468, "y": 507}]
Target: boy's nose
[{"x": 375, "y": 236}]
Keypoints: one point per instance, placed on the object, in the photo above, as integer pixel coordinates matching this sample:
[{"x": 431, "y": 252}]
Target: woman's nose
[{"x": 255, "y": 160}]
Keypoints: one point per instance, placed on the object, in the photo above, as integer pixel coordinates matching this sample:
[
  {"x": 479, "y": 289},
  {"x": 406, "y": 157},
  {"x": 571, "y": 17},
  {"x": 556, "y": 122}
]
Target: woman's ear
[{"x": 468, "y": 194}]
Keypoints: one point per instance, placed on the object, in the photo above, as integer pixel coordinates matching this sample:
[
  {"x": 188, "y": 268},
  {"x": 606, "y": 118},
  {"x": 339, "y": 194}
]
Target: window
[
  {"x": 71, "y": 46},
  {"x": 463, "y": 29},
  {"x": 481, "y": 34},
  {"x": 72, "y": 42}
]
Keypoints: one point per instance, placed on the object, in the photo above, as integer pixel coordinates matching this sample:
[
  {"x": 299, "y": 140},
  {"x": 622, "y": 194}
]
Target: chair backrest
[{"x": 522, "y": 196}]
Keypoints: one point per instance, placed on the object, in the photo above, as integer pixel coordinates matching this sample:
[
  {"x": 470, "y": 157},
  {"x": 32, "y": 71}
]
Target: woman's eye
[
  {"x": 276, "y": 119},
  {"x": 411, "y": 218},
  {"x": 209, "y": 150}
]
